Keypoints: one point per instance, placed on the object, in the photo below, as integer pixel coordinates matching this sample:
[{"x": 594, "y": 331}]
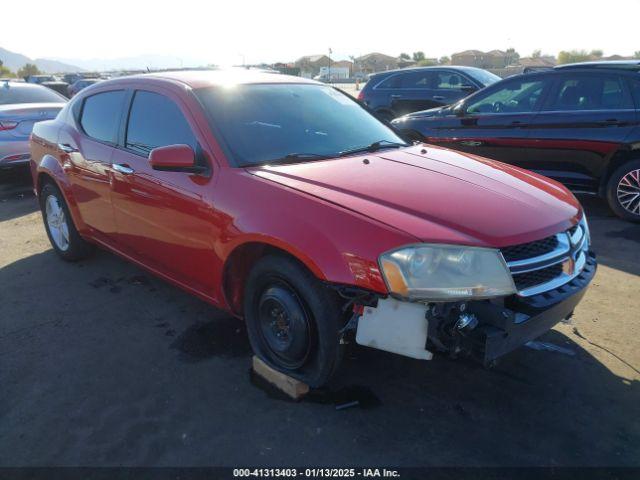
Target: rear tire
[
  {"x": 623, "y": 191},
  {"x": 62, "y": 232},
  {"x": 293, "y": 320}
]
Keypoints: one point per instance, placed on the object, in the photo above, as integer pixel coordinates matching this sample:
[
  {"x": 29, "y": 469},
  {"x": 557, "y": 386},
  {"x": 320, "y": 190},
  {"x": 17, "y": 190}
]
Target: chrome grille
[
  {"x": 536, "y": 277},
  {"x": 540, "y": 266},
  {"x": 531, "y": 249}
]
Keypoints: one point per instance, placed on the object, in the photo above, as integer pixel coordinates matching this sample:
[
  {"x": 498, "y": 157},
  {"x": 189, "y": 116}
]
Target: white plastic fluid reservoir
[{"x": 394, "y": 326}]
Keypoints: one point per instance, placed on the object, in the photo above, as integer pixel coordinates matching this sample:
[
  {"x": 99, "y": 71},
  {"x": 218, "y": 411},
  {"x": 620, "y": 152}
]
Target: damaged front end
[{"x": 486, "y": 314}]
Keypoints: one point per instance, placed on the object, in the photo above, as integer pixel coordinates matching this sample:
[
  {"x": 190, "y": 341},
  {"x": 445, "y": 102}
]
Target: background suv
[
  {"x": 396, "y": 92},
  {"x": 578, "y": 124}
]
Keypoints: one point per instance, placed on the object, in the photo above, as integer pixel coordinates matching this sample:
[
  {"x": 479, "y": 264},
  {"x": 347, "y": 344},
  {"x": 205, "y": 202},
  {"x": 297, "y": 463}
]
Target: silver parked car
[{"x": 22, "y": 105}]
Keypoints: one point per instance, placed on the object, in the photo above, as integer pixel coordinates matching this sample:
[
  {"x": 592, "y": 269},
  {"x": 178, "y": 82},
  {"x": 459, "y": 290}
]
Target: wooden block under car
[{"x": 292, "y": 387}]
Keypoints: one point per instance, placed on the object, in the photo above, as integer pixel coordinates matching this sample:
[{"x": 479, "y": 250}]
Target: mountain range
[
  {"x": 135, "y": 62},
  {"x": 14, "y": 61}
]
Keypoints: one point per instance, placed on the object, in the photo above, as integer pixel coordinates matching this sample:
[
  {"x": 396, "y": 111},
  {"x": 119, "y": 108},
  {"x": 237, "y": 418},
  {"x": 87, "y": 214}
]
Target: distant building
[
  {"x": 309, "y": 65},
  {"x": 344, "y": 64},
  {"x": 405, "y": 62},
  {"x": 476, "y": 58},
  {"x": 615, "y": 57},
  {"x": 375, "y": 62},
  {"x": 529, "y": 64},
  {"x": 545, "y": 61}
]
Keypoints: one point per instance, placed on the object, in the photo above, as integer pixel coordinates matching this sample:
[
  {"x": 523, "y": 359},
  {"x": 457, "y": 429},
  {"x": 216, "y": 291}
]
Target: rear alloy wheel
[
  {"x": 293, "y": 320},
  {"x": 57, "y": 223},
  {"x": 623, "y": 191},
  {"x": 62, "y": 233}
]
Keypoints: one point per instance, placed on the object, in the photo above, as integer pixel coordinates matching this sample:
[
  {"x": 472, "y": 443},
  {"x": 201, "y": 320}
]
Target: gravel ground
[{"x": 102, "y": 364}]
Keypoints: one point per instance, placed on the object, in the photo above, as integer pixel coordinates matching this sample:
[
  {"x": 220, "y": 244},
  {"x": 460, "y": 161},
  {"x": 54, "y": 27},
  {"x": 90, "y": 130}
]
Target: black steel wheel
[
  {"x": 293, "y": 320},
  {"x": 286, "y": 326}
]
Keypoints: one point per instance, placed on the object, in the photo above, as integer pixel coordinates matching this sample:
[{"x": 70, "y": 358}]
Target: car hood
[{"x": 438, "y": 195}]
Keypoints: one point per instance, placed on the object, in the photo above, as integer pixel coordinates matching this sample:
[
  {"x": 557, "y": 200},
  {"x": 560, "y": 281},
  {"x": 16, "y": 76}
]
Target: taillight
[{"x": 7, "y": 125}]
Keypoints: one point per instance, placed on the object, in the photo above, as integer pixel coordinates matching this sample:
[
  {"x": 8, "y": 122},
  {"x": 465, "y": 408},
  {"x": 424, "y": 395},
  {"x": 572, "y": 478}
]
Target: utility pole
[{"x": 330, "y": 52}]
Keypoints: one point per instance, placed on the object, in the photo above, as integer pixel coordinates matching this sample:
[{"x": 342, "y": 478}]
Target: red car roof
[{"x": 206, "y": 78}]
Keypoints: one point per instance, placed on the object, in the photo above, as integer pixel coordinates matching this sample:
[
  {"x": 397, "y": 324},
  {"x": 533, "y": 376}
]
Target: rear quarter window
[
  {"x": 394, "y": 81},
  {"x": 101, "y": 114}
]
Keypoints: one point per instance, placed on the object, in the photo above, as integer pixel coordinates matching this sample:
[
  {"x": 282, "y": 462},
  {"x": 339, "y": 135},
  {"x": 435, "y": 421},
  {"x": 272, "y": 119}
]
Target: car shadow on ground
[
  {"x": 116, "y": 344},
  {"x": 615, "y": 241},
  {"x": 16, "y": 194}
]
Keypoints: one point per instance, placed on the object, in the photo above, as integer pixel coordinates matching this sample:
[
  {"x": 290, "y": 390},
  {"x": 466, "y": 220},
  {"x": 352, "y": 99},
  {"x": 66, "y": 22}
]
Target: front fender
[{"x": 336, "y": 244}]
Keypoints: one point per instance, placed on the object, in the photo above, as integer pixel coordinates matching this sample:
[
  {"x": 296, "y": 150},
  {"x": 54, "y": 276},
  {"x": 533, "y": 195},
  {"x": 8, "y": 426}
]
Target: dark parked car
[
  {"x": 61, "y": 87},
  {"x": 397, "y": 92},
  {"x": 39, "y": 79},
  {"x": 578, "y": 124},
  {"x": 80, "y": 84}
]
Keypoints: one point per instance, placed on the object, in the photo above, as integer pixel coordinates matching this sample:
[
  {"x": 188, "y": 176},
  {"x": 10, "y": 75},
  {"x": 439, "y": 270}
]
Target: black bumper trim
[{"x": 504, "y": 329}]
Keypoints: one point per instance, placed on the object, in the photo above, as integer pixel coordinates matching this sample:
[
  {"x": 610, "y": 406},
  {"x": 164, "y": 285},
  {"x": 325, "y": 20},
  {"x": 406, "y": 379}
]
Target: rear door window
[
  {"x": 580, "y": 92},
  {"x": 100, "y": 116},
  {"x": 390, "y": 82},
  {"x": 419, "y": 80},
  {"x": 156, "y": 121},
  {"x": 451, "y": 81}
]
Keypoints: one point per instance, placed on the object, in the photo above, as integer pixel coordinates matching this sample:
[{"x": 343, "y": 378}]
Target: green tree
[
  {"x": 4, "y": 71},
  {"x": 573, "y": 56},
  {"x": 636, "y": 54},
  {"x": 418, "y": 56},
  {"x": 444, "y": 60},
  {"x": 512, "y": 56},
  {"x": 427, "y": 62},
  {"x": 28, "y": 69},
  {"x": 596, "y": 54},
  {"x": 404, "y": 56},
  {"x": 536, "y": 54}
]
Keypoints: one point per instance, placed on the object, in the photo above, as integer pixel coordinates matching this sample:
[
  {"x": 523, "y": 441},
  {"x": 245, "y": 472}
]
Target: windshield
[
  {"x": 484, "y": 77},
  {"x": 263, "y": 123},
  {"x": 28, "y": 94}
]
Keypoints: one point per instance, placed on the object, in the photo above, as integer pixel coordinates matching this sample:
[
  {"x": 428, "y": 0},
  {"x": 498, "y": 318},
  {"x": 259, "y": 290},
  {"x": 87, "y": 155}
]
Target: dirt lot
[{"x": 102, "y": 364}]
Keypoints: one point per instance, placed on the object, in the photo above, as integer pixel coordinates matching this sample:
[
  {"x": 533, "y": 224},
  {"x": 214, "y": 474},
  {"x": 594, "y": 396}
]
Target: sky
[{"x": 232, "y": 31}]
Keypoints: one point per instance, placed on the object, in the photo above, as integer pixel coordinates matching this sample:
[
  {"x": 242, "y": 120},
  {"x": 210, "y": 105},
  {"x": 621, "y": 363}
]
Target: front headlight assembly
[{"x": 446, "y": 273}]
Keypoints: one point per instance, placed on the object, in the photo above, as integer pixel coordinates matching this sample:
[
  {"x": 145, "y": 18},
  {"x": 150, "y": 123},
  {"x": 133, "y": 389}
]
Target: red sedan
[{"x": 285, "y": 202}]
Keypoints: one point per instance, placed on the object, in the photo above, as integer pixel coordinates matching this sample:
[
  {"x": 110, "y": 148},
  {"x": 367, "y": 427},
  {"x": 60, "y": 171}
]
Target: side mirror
[
  {"x": 458, "y": 110},
  {"x": 175, "y": 158}
]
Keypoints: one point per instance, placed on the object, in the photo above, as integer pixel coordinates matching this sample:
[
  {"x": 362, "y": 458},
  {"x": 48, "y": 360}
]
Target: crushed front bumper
[
  {"x": 503, "y": 328},
  {"x": 492, "y": 328}
]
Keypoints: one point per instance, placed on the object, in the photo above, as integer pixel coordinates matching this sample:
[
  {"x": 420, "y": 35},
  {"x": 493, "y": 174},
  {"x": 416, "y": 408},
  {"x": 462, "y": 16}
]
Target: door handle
[
  {"x": 396, "y": 96},
  {"x": 438, "y": 97},
  {"x": 611, "y": 122},
  {"x": 66, "y": 148},
  {"x": 123, "y": 168}
]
